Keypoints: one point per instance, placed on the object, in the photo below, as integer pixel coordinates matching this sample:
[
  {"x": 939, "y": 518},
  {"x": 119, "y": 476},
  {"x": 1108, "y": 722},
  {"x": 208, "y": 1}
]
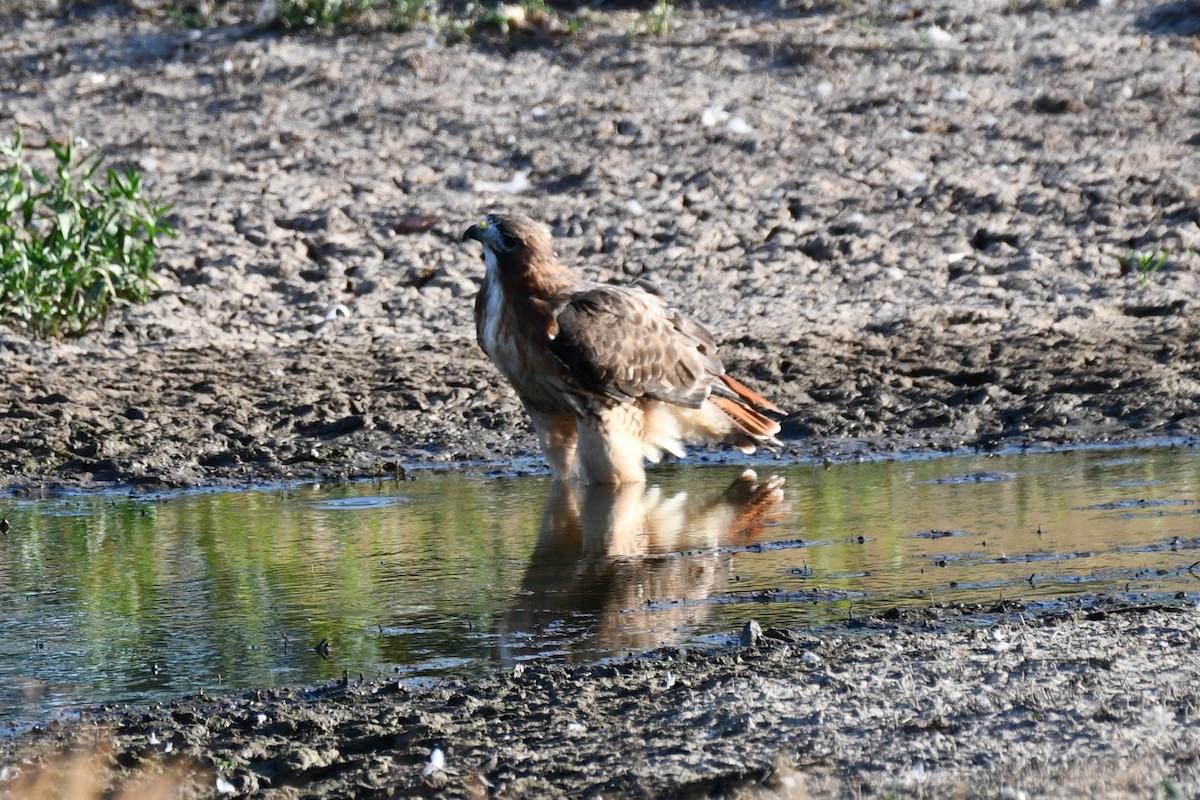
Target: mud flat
[
  {"x": 1097, "y": 701},
  {"x": 909, "y": 226}
]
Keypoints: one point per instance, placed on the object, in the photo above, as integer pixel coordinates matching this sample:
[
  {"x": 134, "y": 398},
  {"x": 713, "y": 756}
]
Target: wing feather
[{"x": 625, "y": 343}]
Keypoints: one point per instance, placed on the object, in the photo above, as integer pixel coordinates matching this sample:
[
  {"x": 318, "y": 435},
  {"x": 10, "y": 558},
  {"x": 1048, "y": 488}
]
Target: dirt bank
[
  {"x": 906, "y": 226},
  {"x": 923, "y": 703}
]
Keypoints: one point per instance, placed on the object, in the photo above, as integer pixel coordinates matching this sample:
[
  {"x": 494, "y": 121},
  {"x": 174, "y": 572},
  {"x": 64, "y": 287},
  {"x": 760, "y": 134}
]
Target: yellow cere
[{"x": 483, "y": 226}]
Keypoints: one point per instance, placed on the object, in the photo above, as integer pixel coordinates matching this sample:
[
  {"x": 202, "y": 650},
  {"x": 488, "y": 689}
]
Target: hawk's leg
[
  {"x": 558, "y": 436},
  {"x": 610, "y": 445}
]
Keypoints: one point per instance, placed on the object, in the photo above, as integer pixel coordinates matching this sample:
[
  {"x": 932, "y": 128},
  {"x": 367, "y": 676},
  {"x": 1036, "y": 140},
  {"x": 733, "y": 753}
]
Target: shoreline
[
  {"x": 947, "y": 700},
  {"x": 905, "y": 447}
]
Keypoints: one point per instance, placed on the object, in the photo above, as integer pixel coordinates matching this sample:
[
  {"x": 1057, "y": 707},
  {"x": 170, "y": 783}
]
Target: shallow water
[{"x": 127, "y": 599}]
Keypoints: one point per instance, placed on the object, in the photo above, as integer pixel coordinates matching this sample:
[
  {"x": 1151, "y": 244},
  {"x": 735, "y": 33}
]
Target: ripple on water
[
  {"x": 1120, "y": 505},
  {"x": 974, "y": 477},
  {"x": 360, "y": 503},
  {"x": 939, "y": 534}
]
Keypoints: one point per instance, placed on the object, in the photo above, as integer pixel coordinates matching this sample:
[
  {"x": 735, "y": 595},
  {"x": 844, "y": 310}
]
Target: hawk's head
[{"x": 511, "y": 239}]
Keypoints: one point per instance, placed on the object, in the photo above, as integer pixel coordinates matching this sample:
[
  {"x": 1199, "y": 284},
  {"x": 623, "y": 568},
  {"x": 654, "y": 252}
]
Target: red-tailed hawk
[{"x": 610, "y": 375}]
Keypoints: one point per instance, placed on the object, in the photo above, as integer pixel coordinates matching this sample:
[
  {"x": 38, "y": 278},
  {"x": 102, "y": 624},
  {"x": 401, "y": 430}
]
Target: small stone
[
  {"x": 437, "y": 763},
  {"x": 938, "y": 37},
  {"x": 752, "y": 634},
  {"x": 414, "y": 223},
  {"x": 713, "y": 115},
  {"x": 738, "y": 126},
  {"x": 1050, "y": 104}
]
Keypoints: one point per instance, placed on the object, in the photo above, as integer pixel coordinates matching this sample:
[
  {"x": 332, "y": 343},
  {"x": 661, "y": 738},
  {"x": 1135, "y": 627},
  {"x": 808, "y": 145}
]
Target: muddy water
[{"x": 121, "y": 599}]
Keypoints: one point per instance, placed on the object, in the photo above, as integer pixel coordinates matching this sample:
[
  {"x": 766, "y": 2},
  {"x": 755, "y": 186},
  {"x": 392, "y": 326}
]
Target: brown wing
[{"x": 625, "y": 343}]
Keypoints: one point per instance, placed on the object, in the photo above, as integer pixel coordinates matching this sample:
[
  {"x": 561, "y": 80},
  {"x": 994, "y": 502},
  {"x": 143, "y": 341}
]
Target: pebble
[
  {"x": 937, "y": 36},
  {"x": 713, "y": 115},
  {"x": 738, "y": 126},
  {"x": 437, "y": 763},
  {"x": 752, "y": 634}
]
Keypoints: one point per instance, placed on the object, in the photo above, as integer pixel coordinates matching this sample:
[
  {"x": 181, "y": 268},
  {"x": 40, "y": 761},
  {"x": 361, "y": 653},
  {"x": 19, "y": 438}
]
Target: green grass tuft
[
  {"x": 70, "y": 244},
  {"x": 1145, "y": 263},
  {"x": 658, "y": 20},
  {"x": 318, "y": 13},
  {"x": 450, "y": 22}
]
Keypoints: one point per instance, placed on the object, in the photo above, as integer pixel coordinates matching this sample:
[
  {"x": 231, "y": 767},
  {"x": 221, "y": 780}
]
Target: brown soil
[
  {"x": 922, "y": 704},
  {"x": 905, "y": 224},
  {"x": 907, "y": 241}
]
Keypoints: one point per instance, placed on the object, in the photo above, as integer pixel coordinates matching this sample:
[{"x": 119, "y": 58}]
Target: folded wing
[{"x": 625, "y": 343}]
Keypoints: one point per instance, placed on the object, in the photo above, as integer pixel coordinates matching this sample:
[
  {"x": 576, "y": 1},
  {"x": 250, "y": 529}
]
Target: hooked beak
[{"x": 473, "y": 232}]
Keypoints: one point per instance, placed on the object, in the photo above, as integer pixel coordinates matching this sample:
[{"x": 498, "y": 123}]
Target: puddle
[{"x": 118, "y": 599}]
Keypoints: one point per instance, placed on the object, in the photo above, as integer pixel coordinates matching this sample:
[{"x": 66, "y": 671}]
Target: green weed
[
  {"x": 521, "y": 16},
  {"x": 190, "y": 18},
  {"x": 657, "y": 20},
  {"x": 452, "y": 27},
  {"x": 867, "y": 24},
  {"x": 493, "y": 16},
  {"x": 407, "y": 14},
  {"x": 71, "y": 245},
  {"x": 451, "y": 22},
  {"x": 318, "y": 13},
  {"x": 1145, "y": 263}
]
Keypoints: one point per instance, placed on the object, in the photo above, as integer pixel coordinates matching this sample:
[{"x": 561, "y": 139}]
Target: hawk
[{"x": 611, "y": 376}]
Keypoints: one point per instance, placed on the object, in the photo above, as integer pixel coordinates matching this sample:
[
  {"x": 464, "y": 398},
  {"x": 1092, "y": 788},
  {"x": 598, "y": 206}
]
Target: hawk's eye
[{"x": 508, "y": 241}]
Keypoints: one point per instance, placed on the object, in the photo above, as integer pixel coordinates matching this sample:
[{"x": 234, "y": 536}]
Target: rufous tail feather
[
  {"x": 750, "y": 422},
  {"x": 750, "y": 396}
]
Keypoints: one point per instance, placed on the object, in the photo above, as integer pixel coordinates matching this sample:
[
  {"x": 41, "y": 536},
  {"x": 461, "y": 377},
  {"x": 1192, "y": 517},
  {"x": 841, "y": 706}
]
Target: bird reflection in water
[{"x": 620, "y": 568}]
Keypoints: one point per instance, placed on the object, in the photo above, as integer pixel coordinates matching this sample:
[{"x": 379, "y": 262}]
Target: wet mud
[
  {"x": 1095, "y": 700},
  {"x": 911, "y": 227}
]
